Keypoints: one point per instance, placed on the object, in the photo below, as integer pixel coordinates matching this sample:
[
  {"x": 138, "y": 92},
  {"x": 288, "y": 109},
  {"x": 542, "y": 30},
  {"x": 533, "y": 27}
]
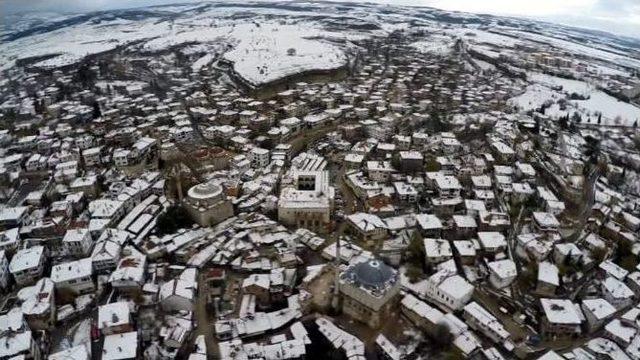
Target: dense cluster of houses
[{"x": 196, "y": 221}]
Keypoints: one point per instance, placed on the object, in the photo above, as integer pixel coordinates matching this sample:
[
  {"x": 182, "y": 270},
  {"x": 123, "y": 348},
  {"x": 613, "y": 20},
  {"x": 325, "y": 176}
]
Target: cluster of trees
[
  {"x": 96, "y": 110},
  {"x": 543, "y": 108},
  {"x": 568, "y": 122},
  {"x": 592, "y": 149},
  {"x": 431, "y": 164},
  {"x": 576, "y": 96},
  {"x": 436, "y": 123},
  {"x": 528, "y": 205},
  {"x": 528, "y": 277},
  {"x": 85, "y": 76},
  {"x": 625, "y": 257},
  {"x": 38, "y": 105},
  {"x": 415, "y": 258},
  {"x": 174, "y": 219}
]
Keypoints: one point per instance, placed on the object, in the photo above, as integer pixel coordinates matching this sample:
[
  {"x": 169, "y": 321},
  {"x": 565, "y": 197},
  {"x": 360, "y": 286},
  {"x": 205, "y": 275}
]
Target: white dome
[{"x": 205, "y": 191}]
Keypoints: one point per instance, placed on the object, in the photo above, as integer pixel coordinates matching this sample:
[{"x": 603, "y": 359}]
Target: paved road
[
  {"x": 351, "y": 202},
  {"x": 307, "y": 137},
  {"x": 21, "y": 193},
  {"x": 587, "y": 203},
  {"x": 204, "y": 321}
]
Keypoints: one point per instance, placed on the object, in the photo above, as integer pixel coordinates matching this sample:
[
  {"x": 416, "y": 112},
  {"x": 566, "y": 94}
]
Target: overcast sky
[{"x": 619, "y": 16}]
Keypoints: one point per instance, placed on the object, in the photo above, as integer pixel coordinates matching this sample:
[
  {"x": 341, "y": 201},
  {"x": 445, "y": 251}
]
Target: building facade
[
  {"x": 207, "y": 204},
  {"x": 367, "y": 290}
]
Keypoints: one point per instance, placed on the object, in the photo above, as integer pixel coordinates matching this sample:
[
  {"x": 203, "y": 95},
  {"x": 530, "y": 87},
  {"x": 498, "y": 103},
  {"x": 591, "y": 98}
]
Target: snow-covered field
[
  {"x": 594, "y": 51},
  {"x": 75, "y": 42},
  {"x": 267, "y": 41},
  {"x": 484, "y": 37},
  {"x": 436, "y": 45},
  {"x": 202, "y": 62},
  {"x": 261, "y": 51},
  {"x": 120, "y": 83},
  {"x": 270, "y": 52},
  {"x": 613, "y": 110},
  {"x": 535, "y": 96},
  {"x": 77, "y": 334},
  {"x": 568, "y": 85},
  {"x": 546, "y": 89}
]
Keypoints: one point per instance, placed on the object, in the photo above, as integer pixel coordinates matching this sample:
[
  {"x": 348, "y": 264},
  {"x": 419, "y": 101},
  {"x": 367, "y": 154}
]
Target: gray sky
[{"x": 619, "y": 16}]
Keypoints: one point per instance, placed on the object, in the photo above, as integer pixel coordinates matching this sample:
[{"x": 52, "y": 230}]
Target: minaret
[
  {"x": 335, "y": 302},
  {"x": 177, "y": 173},
  {"x": 563, "y": 151}
]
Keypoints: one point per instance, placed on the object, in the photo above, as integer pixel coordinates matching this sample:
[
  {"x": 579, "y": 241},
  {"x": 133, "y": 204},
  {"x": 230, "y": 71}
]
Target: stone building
[
  {"x": 207, "y": 204},
  {"x": 367, "y": 290},
  {"x": 307, "y": 201}
]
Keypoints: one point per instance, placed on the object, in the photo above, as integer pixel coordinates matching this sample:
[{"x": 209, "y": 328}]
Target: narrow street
[
  {"x": 351, "y": 202},
  {"x": 204, "y": 321},
  {"x": 306, "y": 137}
]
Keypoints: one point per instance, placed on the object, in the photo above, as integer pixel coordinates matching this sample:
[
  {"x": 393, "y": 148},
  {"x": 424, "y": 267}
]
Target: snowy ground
[
  {"x": 568, "y": 85},
  {"x": 202, "y": 62},
  {"x": 77, "y": 334},
  {"x": 478, "y": 36},
  {"x": 270, "y": 52},
  {"x": 75, "y": 42},
  {"x": 435, "y": 45},
  {"x": 261, "y": 51},
  {"x": 264, "y": 52},
  {"x": 119, "y": 83},
  {"x": 535, "y": 96},
  {"x": 595, "y": 51},
  {"x": 613, "y": 111},
  {"x": 546, "y": 89},
  {"x": 266, "y": 43}
]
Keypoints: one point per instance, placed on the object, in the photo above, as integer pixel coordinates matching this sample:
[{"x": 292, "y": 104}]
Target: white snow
[
  {"x": 75, "y": 42},
  {"x": 82, "y": 332},
  {"x": 568, "y": 85},
  {"x": 265, "y": 52},
  {"x": 581, "y": 49},
  {"x": 272, "y": 51},
  {"x": 202, "y": 62},
  {"x": 261, "y": 52},
  {"x": 535, "y": 96},
  {"x": 484, "y": 37},
  {"x": 614, "y": 112},
  {"x": 436, "y": 45}
]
